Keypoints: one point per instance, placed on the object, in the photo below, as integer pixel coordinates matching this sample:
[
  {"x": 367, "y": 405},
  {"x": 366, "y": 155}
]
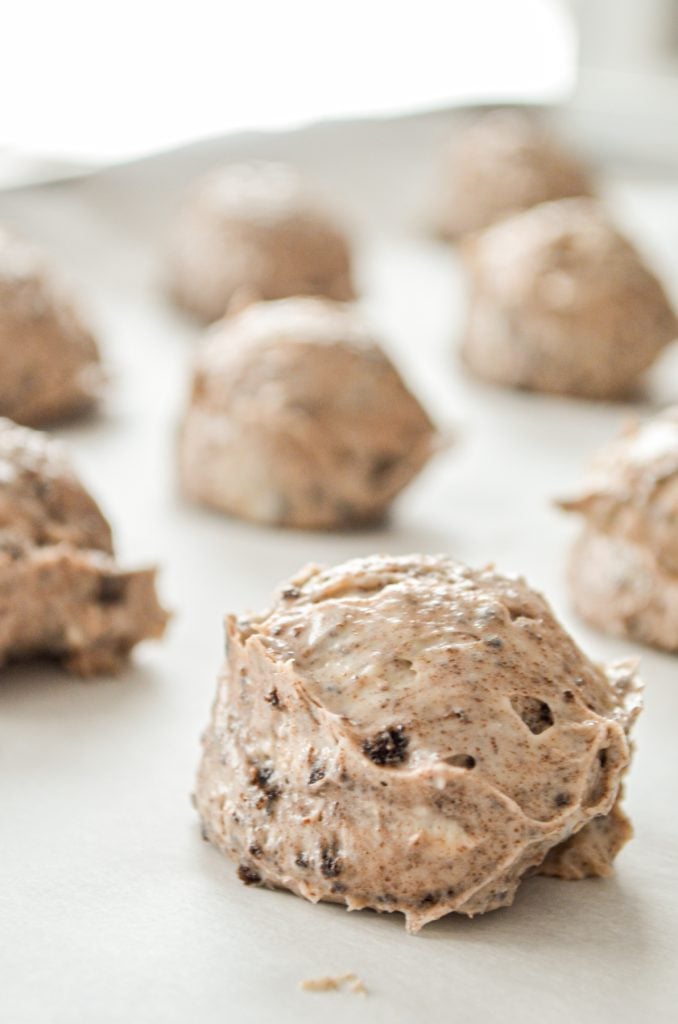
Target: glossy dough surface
[{"x": 411, "y": 735}]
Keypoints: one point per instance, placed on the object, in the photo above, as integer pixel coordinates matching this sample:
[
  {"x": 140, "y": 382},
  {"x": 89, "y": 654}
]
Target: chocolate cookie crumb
[
  {"x": 466, "y": 761},
  {"x": 262, "y": 774},
  {"x": 387, "y": 747},
  {"x": 111, "y": 589},
  {"x": 330, "y": 864},
  {"x": 382, "y": 466},
  {"x": 248, "y": 876},
  {"x": 261, "y": 779}
]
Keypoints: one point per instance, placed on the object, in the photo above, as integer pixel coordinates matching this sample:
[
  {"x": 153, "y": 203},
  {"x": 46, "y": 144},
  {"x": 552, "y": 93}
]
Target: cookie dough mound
[
  {"x": 503, "y": 162},
  {"x": 251, "y": 231},
  {"x": 408, "y": 734},
  {"x": 623, "y": 571},
  {"x": 561, "y": 302},
  {"x": 49, "y": 360},
  {"x": 590, "y": 852},
  {"x": 62, "y": 594},
  {"x": 298, "y": 418}
]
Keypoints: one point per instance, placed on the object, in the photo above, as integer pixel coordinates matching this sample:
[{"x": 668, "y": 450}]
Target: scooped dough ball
[
  {"x": 408, "y": 734},
  {"x": 298, "y": 418},
  {"x": 49, "y": 362},
  {"x": 253, "y": 231},
  {"x": 562, "y": 302},
  {"x": 502, "y": 162},
  {"x": 623, "y": 571},
  {"x": 61, "y": 592}
]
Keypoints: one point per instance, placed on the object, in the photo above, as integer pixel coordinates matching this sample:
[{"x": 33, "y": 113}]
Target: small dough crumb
[{"x": 333, "y": 983}]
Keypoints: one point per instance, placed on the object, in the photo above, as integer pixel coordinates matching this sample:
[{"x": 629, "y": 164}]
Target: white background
[{"x": 103, "y": 81}]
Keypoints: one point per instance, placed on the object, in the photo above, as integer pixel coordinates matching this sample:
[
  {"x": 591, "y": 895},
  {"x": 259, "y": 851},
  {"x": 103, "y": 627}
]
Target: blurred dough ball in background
[
  {"x": 298, "y": 418},
  {"x": 62, "y": 593},
  {"x": 623, "y": 571},
  {"x": 253, "y": 231},
  {"x": 503, "y": 161},
  {"x": 49, "y": 361},
  {"x": 561, "y": 302}
]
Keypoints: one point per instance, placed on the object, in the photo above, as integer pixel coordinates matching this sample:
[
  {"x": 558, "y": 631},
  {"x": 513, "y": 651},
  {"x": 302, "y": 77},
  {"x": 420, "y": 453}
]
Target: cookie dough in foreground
[
  {"x": 49, "y": 359},
  {"x": 253, "y": 231},
  {"x": 298, "y": 418},
  {"x": 562, "y": 302},
  {"x": 502, "y": 162},
  {"x": 623, "y": 571},
  {"x": 408, "y": 734},
  {"x": 62, "y": 594}
]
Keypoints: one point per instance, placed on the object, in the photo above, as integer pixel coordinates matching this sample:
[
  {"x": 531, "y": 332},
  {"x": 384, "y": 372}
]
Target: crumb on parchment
[{"x": 335, "y": 982}]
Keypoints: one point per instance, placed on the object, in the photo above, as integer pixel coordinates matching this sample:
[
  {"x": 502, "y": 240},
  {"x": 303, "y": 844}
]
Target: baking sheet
[{"x": 112, "y": 908}]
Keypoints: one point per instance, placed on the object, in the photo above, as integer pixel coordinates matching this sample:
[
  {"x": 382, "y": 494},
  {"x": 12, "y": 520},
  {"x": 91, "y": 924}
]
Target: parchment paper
[{"x": 112, "y": 907}]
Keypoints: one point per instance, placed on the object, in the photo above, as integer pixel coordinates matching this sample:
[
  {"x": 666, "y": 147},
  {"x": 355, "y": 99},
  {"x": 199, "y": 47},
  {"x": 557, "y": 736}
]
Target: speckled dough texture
[
  {"x": 49, "y": 359},
  {"x": 623, "y": 571},
  {"x": 500, "y": 163},
  {"x": 561, "y": 302},
  {"x": 62, "y": 594},
  {"x": 298, "y": 418},
  {"x": 254, "y": 231},
  {"x": 408, "y": 734}
]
